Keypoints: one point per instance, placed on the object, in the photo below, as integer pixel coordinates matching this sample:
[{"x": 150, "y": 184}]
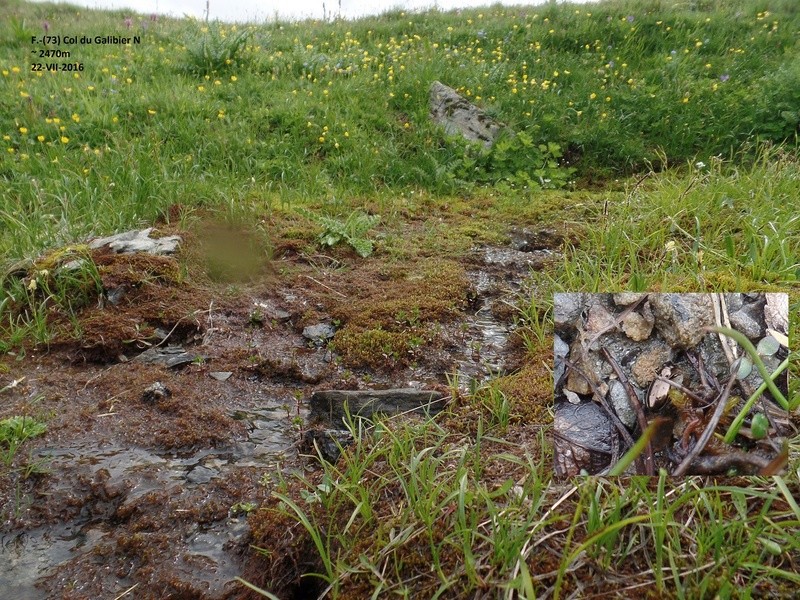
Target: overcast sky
[{"x": 260, "y": 10}]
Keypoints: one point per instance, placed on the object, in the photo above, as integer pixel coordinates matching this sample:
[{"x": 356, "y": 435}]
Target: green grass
[
  {"x": 14, "y": 431},
  {"x": 479, "y": 513},
  {"x": 292, "y": 111}
]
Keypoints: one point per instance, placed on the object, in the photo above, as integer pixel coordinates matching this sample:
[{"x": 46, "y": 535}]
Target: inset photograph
[{"x": 695, "y": 384}]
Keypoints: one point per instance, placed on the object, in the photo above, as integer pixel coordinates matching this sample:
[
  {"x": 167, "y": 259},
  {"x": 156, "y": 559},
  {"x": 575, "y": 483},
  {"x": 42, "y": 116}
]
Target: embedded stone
[
  {"x": 567, "y": 309},
  {"x": 637, "y": 327},
  {"x": 649, "y": 364},
  {"x": 583, "y": 442},
  {"x": 138, "y": 241},
  {"x": 622, "y": 404},
  {"x": 627, "y": 298},
  {"x": 680, "y": 318},
  {"x": 458, "y": 116},
  {"x": 320, "y": 333}
]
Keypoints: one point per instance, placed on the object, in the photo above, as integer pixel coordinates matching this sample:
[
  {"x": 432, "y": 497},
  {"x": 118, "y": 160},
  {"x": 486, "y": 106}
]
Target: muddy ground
[{"x": 147, "y": 492}]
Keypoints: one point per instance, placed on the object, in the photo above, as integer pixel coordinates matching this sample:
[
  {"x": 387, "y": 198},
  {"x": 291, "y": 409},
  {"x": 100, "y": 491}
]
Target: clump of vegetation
[
  {"x": 215, "y": 51},
  {"x": 395, "y": 319},
  {"x": 515, "y": 161},
  {"x": 352, "y": 230},
  {"x": 58, "y": 284},
  {"x": 14, "y": 431}
]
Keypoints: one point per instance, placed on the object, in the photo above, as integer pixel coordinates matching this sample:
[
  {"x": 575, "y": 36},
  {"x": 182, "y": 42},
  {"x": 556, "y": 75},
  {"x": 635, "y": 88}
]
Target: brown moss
[
  {"x": 530, "y": 390},
  {"x": 375, "y": 348},
  {"x": 151, "y": 294},
  {"x": 393, "y": 316}
]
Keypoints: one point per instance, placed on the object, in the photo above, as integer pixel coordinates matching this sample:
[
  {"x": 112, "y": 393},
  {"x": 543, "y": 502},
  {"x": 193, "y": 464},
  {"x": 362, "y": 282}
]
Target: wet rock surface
[
  {"x": 168, "y": 356},
  {"x": 642, "y": 357},
  {"x": 334, "y": 406}
]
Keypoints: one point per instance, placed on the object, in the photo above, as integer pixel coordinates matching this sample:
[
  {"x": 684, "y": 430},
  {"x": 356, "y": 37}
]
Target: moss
[
  {"x": 432, "y": 291},
  {"x": 376, "y": 348},
  {"x": 529, "y": 390},
  {"x": 396, "y": 312}
]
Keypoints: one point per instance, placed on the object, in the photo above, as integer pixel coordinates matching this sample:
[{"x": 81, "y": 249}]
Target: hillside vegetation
[{"x": 207, "y": 113}]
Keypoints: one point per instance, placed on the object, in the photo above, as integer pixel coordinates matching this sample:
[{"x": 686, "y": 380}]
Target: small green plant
[
  {"x": 516, "y": 161},
  {"x": 64, "y": 281},
  {"x": 213, "y": 53},
  {"x": 22, "y": 33},
  {"x": 352, "y": 230},
  {"x": 534, "y": 319},
  {"x": 14, "y": 431},
  {"x": 242, "y": 508}
]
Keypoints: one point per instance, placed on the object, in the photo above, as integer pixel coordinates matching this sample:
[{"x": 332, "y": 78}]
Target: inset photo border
[{"x": 692, "y": 384}]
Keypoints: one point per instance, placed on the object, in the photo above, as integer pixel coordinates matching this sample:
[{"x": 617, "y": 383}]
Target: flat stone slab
[
  {"x": 138, "y": 241},
  {"x": 168, "y": 356},
  {"x": 329, "y": 405}
]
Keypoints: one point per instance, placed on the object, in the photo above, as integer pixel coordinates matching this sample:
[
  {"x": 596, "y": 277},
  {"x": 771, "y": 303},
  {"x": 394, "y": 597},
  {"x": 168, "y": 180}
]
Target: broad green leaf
[{"x": 768, "y": 346}]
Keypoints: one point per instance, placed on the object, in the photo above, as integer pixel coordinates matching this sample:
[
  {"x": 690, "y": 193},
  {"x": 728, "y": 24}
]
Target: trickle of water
[
  {"x": 27, "y": 556},
  {"x": 484, "y": 337}
]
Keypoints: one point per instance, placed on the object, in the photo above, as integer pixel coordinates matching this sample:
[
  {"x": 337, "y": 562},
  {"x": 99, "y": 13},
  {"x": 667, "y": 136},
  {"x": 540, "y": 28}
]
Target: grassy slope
[
  {"x": 334, "y": 116},
  {"x": 320, "y": 110}
]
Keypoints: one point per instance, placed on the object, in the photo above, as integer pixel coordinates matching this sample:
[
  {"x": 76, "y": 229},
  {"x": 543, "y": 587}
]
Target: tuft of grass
[
  {"x": 214, "y": 51},
  {"x": 412, "y": 508},
  {"x": 14, "y": 431}
]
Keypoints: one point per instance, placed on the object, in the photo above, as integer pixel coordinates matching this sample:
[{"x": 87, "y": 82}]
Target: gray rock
[
  {"x": 458, "y": 116},
  {"x": 567, "y": 309},
  {"x": 331, "y": 406},
  {"x": 560, "y": 350},
  {"x": 583, "y": 440},
  {"x": 742, "y": 321},
  {"x": 319, "y": 333},
  {"x": 311, "y": 365},
  {"x": 622, "y": 405},
  {"x": 138, "y": 241},
  {"x": 220, "y": 375},
  {"x": 680, "y": 318},
  {"x": 168, "y": 356},
  {"x": 201, "y": 474},
  {"x": 329, "y": 443},
  {"x": 628, "y": 298},
  {"x": 734, "y": 301}
]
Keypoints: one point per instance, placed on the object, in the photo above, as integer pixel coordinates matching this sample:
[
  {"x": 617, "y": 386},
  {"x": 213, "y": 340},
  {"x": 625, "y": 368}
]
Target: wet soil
[{"x": 148, "y": 492}]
